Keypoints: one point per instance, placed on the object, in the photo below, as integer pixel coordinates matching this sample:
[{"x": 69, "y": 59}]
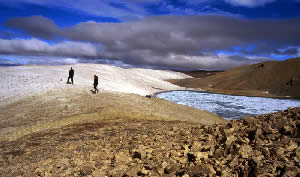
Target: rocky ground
[{"x": 265, "y": 145}]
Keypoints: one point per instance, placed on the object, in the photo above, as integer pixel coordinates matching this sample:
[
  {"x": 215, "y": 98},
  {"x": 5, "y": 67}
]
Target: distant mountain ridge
[{"x": 271, "y": 78}]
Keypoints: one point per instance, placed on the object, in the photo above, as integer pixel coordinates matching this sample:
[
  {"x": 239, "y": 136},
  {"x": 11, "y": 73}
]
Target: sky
[{"x": 163, "y": 34}]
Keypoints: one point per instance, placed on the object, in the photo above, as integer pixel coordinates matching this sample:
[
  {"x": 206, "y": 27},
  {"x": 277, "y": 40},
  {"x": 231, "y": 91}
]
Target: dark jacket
[
  {"x": 96, "y": 80},
  {"x": 71, "y": 73}
]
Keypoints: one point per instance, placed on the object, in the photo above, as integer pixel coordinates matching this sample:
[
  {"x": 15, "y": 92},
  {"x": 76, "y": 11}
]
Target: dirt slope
[
  {"x": 64, "y": 107},
  {"x": 272, "y": 78}
]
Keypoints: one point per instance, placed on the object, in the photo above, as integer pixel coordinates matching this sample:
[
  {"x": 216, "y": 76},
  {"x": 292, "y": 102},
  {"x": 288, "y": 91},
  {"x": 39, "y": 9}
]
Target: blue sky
[{"x": 195, "y": 34}]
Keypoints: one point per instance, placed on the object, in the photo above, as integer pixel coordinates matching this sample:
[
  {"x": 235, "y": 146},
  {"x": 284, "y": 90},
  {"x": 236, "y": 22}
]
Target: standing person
[
  {"x": 96, "y": 83},
  {"x": 71, "y": 75}
]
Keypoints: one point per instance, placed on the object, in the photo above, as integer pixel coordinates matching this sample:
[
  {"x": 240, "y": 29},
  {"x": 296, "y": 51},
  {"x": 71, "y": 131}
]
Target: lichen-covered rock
[{"x": 245, "y": 151}]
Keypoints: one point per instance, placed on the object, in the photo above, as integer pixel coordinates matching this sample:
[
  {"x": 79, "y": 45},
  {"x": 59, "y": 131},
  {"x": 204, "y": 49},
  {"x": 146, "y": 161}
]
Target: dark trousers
[
  {"x": 71, "y": 79},
  {"x": 96, "y": 89}
]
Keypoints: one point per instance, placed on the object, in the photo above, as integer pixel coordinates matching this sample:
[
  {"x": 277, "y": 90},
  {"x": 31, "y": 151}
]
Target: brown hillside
[{"x": 272, "y": 78}]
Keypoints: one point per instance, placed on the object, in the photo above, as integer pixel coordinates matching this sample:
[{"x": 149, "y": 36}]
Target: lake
[{"x": 229, "y": 106}]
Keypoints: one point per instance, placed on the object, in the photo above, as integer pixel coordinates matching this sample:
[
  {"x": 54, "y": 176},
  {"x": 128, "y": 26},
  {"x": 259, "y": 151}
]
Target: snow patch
[{"x": 19, "y": 82}]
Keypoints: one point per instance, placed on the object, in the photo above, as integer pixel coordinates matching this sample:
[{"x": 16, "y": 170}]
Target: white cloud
[
  {"x": 249, "y": 3},
  {"x": 210, "y": 62},
  {"x": 192, "y": 2},
  {"x": 144, "y": 1},
  {"x": 38, "y": 47},
  {"x": 64, "y": 53}
]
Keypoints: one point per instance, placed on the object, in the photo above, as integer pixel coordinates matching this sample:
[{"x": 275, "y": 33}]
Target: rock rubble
[{"x": 265, "y": 145}]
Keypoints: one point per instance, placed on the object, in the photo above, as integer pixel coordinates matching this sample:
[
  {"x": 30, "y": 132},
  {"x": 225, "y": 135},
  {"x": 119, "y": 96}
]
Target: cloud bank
[{"x": 170, "y": 41}]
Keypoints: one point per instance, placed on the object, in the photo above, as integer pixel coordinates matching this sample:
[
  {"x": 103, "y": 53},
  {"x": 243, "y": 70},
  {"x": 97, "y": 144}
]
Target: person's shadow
[{"x": 93, "y": 91}]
